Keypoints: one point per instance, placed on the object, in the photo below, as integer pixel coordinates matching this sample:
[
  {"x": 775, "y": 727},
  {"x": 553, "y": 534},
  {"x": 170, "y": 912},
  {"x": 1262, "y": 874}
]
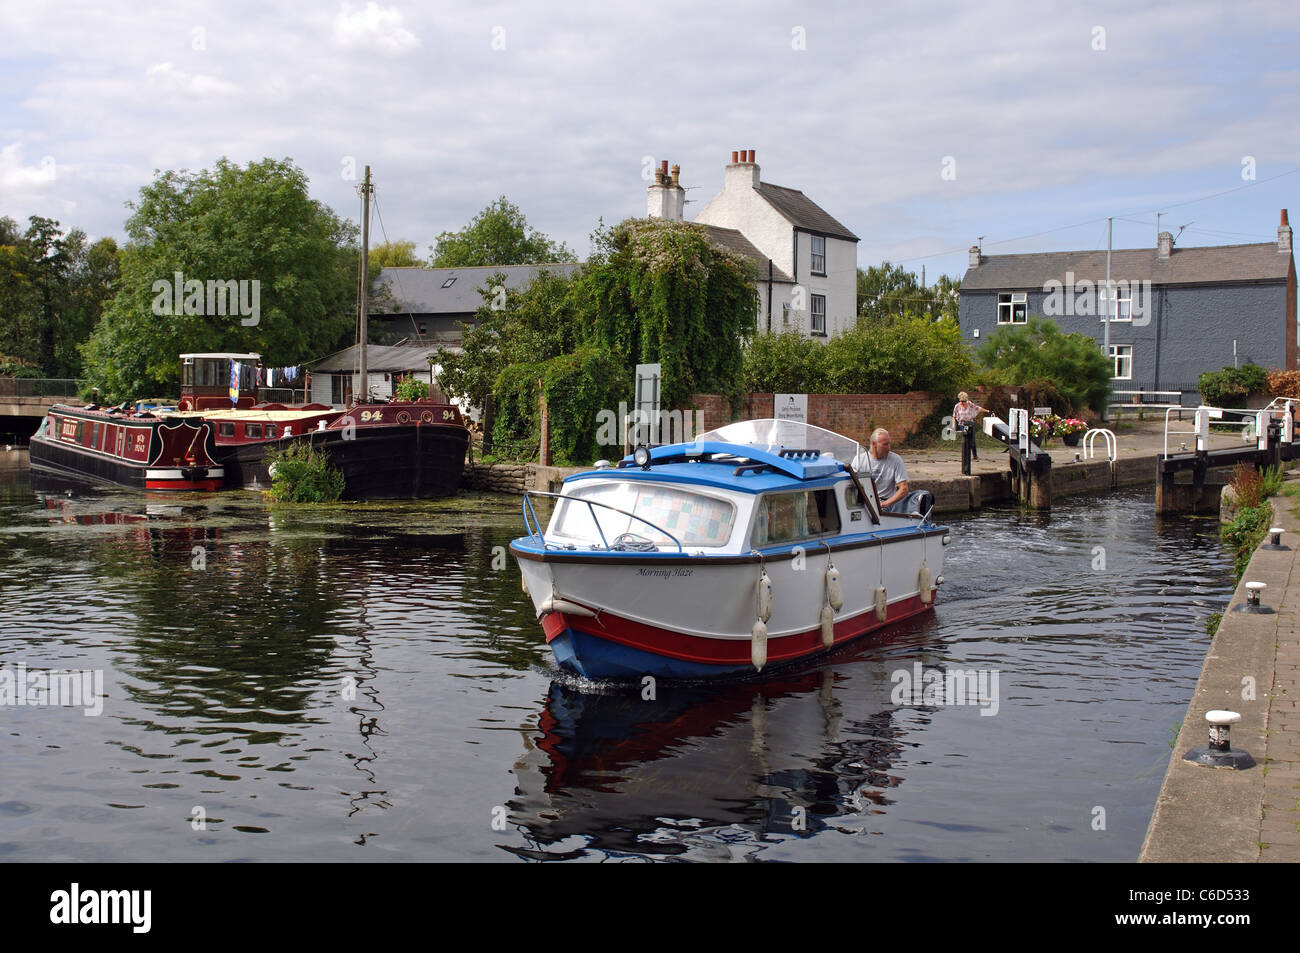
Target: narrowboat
[
  {"x": 761, "y": 543},
  {"x": 398, "y": 450},
  {"x": 139, "y": 449}
]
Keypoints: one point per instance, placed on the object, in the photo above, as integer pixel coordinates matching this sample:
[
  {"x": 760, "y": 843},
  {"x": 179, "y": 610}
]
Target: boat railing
[{"x": 534, "y": 525}]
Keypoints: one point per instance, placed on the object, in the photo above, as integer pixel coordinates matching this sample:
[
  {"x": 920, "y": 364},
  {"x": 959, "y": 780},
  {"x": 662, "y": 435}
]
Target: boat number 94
[
  {"x": 371, "y": 415},
  {"x": 666, "y": 573}
]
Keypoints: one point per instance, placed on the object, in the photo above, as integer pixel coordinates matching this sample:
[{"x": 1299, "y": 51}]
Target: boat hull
[
  {"x": 613, "y": 616},
  {"x": 90, "y": 467},
  {"x": 396, "y": 462}
]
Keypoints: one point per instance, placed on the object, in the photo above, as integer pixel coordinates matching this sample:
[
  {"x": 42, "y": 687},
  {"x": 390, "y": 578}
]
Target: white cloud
[
  {"x": 375, "y": 28},
  {"x": 166, "y": 76}
]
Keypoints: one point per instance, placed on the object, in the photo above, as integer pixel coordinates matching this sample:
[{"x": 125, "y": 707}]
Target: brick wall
[{"x": 853, "y": 415}]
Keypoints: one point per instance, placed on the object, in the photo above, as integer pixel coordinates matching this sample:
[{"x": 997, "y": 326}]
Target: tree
[
  {"x": 786, "y": 363},
  {"x": 294, "y": 262},
  {"x": 658, "y": 291},
  {"x": 398, "y": 254},
  {"x": 52, "y": 289},
  {"x": 1038, "y": 349},
  {"x": 888, "y": 290},
  {"x": 498, "y": 235}
]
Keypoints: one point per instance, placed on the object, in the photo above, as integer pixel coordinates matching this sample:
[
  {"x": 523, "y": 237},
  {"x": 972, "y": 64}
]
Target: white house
[{"x": 808, "y": 261}]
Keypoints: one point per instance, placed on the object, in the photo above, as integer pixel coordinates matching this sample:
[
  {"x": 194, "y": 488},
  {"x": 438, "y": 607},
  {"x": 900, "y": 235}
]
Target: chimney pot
[
  {"x": 677, "y": 171},
  {"x": 735, "y": 157},
  {"x": 751, "y": 156},
  {"x": 663, "y": 167},
  {"x": 1284, "y": 219}
]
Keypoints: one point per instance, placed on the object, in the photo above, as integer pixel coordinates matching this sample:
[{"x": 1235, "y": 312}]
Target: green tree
[
  {"x": 398, "y": 254},
  {"x": 538, "y": 322},
  {"x": 52, "y": 289},
  {"x": 888, "y": 290},
  {"x": 658, "y": 291},
  {"x": 498, "y": 235},
  {"x": 256, "y": 223},
  {"x": 1039, "y": 349}
]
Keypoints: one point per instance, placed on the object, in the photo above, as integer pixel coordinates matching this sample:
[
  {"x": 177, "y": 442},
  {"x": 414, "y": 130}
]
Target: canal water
[{"x": 367, "y": 682}]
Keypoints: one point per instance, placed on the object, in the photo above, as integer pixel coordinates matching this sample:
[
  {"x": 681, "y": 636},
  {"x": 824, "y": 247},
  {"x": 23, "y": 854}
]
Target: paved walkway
[{"x": 1253, "y": 668}]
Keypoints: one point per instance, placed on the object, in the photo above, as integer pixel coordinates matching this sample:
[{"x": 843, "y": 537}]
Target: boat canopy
[{"x": 774, "y": 436}]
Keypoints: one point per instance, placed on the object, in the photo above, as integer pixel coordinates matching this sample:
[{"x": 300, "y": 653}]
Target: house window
[
  {"x": 818, "y": 315},
  {"x": 785, "y": 315},
  {"x": 1123, "y": 357},
  {"x": 1013, "y": 308},
  {"x": 1121, "y": 304},
  {"x": 818, "y": 255},
  {"x": 449, "y": 282}
]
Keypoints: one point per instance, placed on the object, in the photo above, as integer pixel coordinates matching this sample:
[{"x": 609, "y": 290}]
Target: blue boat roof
[{"x": 714, "y": 463}]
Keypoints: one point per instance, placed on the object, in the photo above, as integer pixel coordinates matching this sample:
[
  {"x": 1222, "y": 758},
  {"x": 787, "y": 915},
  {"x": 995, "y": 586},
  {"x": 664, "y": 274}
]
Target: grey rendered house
[{"x": 1175, "y": 312}]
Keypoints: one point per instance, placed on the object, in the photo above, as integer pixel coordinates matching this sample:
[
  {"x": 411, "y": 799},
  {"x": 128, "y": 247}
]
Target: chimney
[
  {"x": 1284, "y": 235},
  {"x": 742, "y": 173},
  {"x": 975, "y": 256},
  {"x": 1164, "y": 245},
  {"x": 666, "y": 199}
]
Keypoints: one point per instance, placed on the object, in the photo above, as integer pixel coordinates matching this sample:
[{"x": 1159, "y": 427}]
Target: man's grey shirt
[{"x": 887, "y": 473}]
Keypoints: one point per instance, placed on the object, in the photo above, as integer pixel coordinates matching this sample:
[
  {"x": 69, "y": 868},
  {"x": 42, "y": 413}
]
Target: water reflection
[{"x": 354, "y": 682}]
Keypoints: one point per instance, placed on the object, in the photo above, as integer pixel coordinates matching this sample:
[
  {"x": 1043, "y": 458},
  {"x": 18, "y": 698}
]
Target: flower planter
[{"x": 1070, "y": 439}]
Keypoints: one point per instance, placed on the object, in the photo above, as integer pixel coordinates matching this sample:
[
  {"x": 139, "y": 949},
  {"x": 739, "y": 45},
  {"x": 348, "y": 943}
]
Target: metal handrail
[
  {"x": 1090, "y": 442},
  {"x": 535, "y": 527}
]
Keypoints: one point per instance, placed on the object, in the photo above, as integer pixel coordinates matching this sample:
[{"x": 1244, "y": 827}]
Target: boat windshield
[
  {"x": 777, "y": 435},
  {"x": 693, "y": 518}
]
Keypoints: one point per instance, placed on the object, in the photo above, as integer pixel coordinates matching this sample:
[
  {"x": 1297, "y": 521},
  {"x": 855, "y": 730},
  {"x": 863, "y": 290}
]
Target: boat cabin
[
  {"x": 733, "y": 491},
  {"x": 211, "y": 381}
]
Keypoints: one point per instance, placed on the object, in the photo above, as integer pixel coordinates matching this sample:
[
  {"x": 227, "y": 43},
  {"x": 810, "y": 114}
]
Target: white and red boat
[
  {"x": 756, "y": 544},
  {"x": 137, "y": 449}
]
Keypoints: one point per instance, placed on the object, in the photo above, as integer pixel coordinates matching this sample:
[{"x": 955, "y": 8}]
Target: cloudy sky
[{"x": 919, "y": 126}]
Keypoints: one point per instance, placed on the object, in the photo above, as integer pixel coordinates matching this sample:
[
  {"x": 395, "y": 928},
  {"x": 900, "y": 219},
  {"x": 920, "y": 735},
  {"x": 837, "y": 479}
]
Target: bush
[
  {"x": 301, "y": 474},
  {"x": 1245, "y": 533},
  {"x": 411, "y": 388},
  {"x": 1248, "y": 485},
  {"x": 1039, "y": 350},
  {"x": 896, "y": 355},
  {"x": 1284, "y": 384},
  {"x": 1232, "y": 385},
  {"x": 786, "y": 363}
]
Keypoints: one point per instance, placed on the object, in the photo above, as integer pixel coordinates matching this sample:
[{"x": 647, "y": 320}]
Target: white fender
[
  {"x": 926, "y": 585},
  {"x": 828, "y": 627},
  {"x": 882, "y": 603},
  {"x": 758, "y": 645},
  {"x": 834, "y": 592},
  {"x": 764, "y": 596},
  {"x": 564, "y": 605}
]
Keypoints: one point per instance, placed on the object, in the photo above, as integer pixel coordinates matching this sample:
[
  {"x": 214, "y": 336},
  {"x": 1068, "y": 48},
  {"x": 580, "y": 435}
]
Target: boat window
[
  {"x": 270, "y": 430},
  {"x": 253, "y": 430},
  {"x": 785, "y": 517},
  {"x": 694, "y": 519},
  {"x": 94, "y": 436},
  {"x": 225, "y": 430}
]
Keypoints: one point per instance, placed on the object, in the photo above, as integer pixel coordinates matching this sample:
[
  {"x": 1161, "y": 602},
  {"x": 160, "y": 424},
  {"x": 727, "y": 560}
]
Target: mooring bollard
[
  {"x": 1252, "y": 604},
  {"x": 1275, "y": 539},
  {"x": 1220, "y": 753}
]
